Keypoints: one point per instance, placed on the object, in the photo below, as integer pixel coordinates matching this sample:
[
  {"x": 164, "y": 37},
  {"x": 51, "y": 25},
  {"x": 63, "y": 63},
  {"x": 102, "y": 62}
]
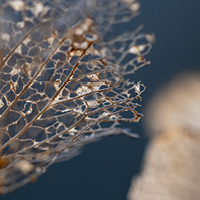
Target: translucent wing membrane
[{"x": 62, "y": 85}]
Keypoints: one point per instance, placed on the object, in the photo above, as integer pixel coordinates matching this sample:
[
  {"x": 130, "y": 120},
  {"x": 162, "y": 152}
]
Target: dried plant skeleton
[{"x": 62, "y": 83}]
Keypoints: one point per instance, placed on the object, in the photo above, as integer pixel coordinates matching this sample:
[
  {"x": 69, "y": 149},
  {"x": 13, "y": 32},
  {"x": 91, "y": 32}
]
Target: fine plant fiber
[{"x": 63, "y": 84}]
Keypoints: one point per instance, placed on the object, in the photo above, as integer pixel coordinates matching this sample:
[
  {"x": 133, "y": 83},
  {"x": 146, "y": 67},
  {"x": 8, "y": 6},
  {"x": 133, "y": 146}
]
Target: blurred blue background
[{"x": 104, "y": 169}]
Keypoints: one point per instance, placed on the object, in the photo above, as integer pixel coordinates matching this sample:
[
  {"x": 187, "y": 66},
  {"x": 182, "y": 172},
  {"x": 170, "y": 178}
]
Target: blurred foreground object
[
  {"x": 62, "y": 83},
  {"x": 171, "y": 168}
]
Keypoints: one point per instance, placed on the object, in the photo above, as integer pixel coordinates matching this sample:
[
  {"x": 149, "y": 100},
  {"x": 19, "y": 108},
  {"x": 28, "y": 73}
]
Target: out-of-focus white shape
[
  {"x": 84, "y": 27},
  {"x": 24, "y": 166},
  {"x": 17, "y": 5},
  {"x": 26, "y": 41},
  {"x": 5, "y": 37},
  {"x": 21, "y": 24},
  {"x": 39, "y": 7},
  {"x": 176, "y": 104},
  {"x": 171, "y": 168},
  {"x": 150, "y": 38},
  {"x": 137, "y": 49},
  {"x": 133, "y": 5}
]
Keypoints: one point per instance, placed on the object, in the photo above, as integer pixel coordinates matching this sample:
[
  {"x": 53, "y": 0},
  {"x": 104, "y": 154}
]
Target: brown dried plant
[{"x": 62, "y": 83}]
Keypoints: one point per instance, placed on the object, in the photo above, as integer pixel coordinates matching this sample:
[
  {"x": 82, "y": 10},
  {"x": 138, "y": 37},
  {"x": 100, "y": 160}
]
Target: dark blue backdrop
[{"x": 104, "y": 170}]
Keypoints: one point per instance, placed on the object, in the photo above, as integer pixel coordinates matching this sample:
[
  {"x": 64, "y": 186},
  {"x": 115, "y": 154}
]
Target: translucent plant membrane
[{"x": 62, "y": 85}]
